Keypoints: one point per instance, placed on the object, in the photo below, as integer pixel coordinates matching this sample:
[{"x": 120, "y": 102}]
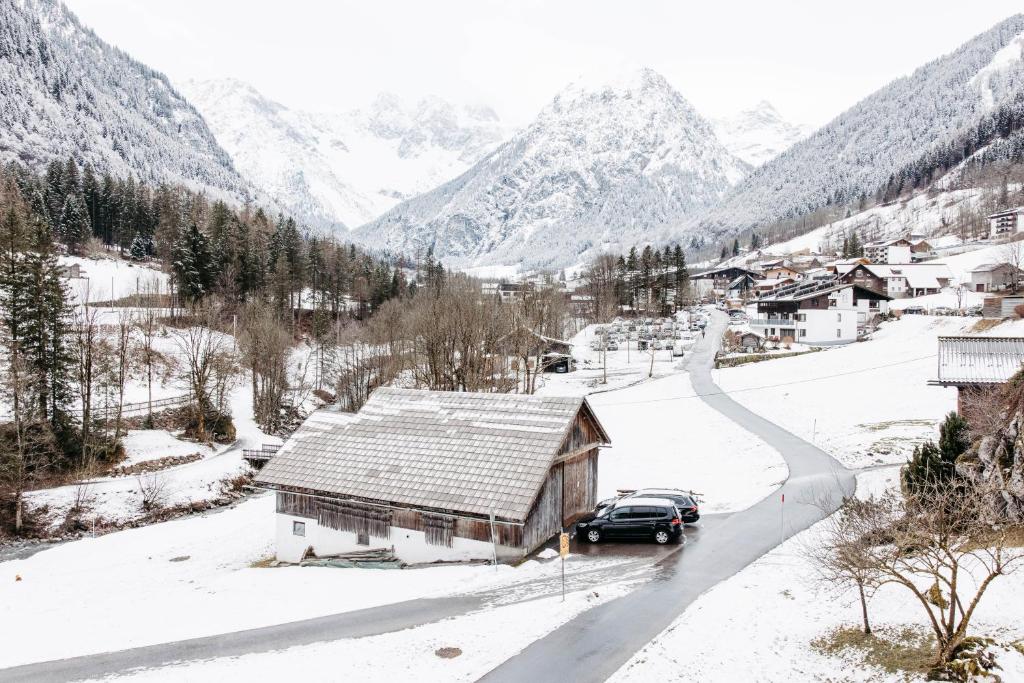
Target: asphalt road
[{"x": 596, "y": 643}]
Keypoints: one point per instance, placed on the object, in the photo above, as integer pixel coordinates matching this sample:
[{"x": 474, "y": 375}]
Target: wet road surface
[{"x": 595, "y": 644}]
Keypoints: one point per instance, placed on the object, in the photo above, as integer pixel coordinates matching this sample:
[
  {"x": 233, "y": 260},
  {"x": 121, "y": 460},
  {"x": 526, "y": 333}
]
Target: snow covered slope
[
  {"x": 758, "y": 134},
  {"x": 861, "y": 148},
  {"x": 64, "y": 92},
  {"x": 344, "y": 168},
  {"x": 604, "y": 163}
]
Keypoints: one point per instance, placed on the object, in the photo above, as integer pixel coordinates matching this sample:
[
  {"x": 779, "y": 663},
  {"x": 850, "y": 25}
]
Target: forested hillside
[{"x": 64, "y": 92}]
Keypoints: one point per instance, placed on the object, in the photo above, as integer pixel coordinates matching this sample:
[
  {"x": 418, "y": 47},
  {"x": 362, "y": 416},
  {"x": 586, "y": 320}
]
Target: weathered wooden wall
[
  {"x": 545, "y": 518},
  {"x": 439, "y": 528},
  {"x": 579, "y": 486}
]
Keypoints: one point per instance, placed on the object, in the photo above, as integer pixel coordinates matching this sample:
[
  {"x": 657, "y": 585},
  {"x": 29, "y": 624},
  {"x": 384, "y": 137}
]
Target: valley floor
[{"x": 867, "y": 403}]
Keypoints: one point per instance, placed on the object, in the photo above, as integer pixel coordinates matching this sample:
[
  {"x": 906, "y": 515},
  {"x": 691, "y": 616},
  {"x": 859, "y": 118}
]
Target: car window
[{"x": 622, "y": 513}]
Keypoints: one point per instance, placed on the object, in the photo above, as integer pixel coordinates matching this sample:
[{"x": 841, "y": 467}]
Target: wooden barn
[{"x": 436, "y": 475}]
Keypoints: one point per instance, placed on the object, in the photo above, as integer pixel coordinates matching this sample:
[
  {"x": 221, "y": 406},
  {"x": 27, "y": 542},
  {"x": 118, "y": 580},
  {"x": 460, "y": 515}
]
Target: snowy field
[
  {"x": 664, "y": 436},
  {"x": 866, "y": 403},
  {"x": 100, "y": 277},
  {"x": 785, "y": 607},
  {"x": 194, "y": 576}
]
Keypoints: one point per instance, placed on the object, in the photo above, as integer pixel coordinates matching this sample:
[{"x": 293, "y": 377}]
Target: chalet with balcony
[
  {"x": 1005, "y": 223},
  {"x": 818, "y": 313}
]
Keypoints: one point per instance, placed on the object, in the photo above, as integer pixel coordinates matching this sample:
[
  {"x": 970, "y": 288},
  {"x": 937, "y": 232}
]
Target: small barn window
[
  {"x": 298, "y": 528},
  {"x": 362, "y": 539}
]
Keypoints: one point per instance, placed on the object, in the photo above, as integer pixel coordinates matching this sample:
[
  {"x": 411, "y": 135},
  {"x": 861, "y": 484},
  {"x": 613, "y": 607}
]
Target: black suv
[
  {"x": 655, "y": 518},
  {"x": 685, "y": 501}
]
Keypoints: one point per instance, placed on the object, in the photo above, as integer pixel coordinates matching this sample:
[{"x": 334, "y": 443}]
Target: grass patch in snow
[
  {"x": 880, "y": 426},
  {"x": 904, "y": 649},
  {"x": 985, "y": 324}
]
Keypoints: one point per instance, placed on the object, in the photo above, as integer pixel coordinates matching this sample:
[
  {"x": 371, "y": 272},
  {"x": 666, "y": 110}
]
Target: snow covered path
[{"x": 594, "y": 645}]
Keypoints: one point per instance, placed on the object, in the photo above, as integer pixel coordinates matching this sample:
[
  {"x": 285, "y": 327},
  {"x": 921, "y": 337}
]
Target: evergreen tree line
[
  {"x": 650, "y": 281},
  {"x": 208, "y": 247}
]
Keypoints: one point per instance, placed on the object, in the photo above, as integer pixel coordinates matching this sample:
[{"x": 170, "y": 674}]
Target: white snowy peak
[
  {"x": 605, "y": 162},
  {"x": 64, "y": 92},
  {"x": 342, "y": 169},
  {"x": 758, "y": 134},
  {"x": 863, "y": 147}
]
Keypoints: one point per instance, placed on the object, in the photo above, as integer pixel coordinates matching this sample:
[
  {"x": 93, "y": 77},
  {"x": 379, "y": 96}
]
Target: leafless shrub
[{"x": 153, "y": 490}]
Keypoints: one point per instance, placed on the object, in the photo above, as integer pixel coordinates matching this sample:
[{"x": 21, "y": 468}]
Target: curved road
[{"x": 593, "y": 645}]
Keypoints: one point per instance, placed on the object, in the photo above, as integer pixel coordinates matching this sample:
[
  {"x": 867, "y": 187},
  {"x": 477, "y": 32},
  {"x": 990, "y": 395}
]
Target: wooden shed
[{"x": 436, "y": 475}]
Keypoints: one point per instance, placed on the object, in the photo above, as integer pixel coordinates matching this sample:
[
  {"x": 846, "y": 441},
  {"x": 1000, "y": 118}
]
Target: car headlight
[{"x": 581, "y": 524}]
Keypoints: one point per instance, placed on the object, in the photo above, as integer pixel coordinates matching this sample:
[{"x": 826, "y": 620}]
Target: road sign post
[{"x": 563, "y": 550}]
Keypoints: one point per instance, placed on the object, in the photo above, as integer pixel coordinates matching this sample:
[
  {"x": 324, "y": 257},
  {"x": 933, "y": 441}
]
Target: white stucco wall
[
  {"x": 410, "y": 546},
  {"x": 822, "y": 326}
]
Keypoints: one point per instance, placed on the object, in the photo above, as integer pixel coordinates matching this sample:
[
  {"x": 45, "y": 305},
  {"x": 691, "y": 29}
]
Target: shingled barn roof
[{"x": 459, "y": 451}]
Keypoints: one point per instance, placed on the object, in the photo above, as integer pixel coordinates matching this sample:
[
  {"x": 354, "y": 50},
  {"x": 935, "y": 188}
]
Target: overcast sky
[{"x": 812, "y": 59}]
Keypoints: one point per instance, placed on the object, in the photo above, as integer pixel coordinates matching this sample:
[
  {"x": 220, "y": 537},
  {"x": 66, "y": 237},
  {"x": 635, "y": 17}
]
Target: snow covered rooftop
[
  {"x": 468, "y": 452},
  {"x": 979, "y": 360}
]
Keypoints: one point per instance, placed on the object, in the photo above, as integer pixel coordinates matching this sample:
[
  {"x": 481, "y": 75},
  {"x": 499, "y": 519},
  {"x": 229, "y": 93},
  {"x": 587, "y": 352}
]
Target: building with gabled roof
[
  {"x": 970, "y": 362},
  {"x": 436, "y": 475},
  {"x": 818, "y": 312}
]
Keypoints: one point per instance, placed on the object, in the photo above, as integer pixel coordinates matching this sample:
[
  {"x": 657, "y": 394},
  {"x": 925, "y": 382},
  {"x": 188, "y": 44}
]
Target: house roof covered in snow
[
  {"x": 969, "y": 360},
  {"x": 441, "y": 450}
]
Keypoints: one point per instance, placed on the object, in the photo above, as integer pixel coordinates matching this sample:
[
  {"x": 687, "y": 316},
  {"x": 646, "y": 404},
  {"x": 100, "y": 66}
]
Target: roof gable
[{"x": 468, "y": 452}]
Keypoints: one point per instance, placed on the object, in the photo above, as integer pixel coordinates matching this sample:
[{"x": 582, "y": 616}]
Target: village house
[
  {"x": 972, "y": 363},
  {"x": 897, "y": 280},
  {"x": 717, "y": 281},
  {"x": 740, "y": 287},
  {"x": 889, "y": 251},
  {"x": 818, "y": 313},
  {"x": 436, "y": 475},
  {"x": 781, "y": 271},
  {"x": 1006, "y": 222},
  {"x": 993, "y": 277},
  {"x": 768, "y": 285}
]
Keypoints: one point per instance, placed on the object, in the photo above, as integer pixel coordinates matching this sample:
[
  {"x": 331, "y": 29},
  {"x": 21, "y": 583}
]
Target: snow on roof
[
  {"x": 989, "y": 267},
  {"x": 470, "y": 452},
  {"x": 979, "y": 360}
]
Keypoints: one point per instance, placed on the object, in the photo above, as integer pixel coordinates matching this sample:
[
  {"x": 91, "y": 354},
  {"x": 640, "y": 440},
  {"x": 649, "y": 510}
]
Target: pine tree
[
  {"x": 47, "y": 328},
  {"x": 736, "y": 247},
  {"x": 139, "y": 249},
  {"x": 193, "y": 265},
  {"x": 73, "y": 226}
]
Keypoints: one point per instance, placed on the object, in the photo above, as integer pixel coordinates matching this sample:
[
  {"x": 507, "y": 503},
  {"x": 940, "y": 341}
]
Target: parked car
[
  {"x": 737, "y": 321},
  {"x": 914, "y": 310},
  {"x": 633, "y": 518},
  {"x": 685, "y": 501},
  {"x": 613, "y": 346}
]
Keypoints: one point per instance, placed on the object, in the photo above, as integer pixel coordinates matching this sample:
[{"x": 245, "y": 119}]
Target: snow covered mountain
[
  {"x": 758, "y": 134},
  {"x": 860, "y": 149},
  {"x": 344, "y": 168},
  {"x": 64, "y": 92},
  {"x": 605, "y": 163}
]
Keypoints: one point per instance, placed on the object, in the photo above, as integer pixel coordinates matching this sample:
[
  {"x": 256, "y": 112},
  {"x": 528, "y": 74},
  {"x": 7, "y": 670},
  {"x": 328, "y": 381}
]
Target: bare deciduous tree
[
  {"x": 208, "y": 368},
  {"x": 941, "y": 545}
]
